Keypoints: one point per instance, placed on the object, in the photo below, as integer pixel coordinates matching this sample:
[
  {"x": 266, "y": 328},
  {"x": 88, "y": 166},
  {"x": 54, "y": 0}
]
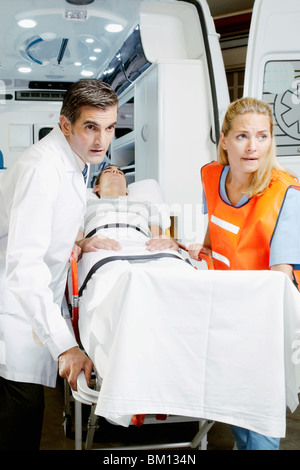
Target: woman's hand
[
  {"x": 284, "y": 268},
  {"x": 195, "y": 248}
]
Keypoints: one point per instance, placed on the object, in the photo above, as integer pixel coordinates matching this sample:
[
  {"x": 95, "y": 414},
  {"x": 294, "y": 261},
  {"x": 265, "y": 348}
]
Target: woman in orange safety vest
[{"x": 252, "y": 205}]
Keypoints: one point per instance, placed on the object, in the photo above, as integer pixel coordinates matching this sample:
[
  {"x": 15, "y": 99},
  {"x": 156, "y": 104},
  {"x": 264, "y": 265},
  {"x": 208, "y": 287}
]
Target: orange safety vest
[{"x": 241, "y": 236}]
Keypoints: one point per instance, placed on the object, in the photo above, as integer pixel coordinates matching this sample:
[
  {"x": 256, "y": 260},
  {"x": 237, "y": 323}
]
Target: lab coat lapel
[{"x": 71, "y": 164}]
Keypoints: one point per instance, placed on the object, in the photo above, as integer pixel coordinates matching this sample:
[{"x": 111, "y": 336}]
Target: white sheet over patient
[{"x": 166, "y": 338}]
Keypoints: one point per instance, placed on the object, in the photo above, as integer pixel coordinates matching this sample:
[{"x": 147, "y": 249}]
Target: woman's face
[{"x": 247, "y": 143}]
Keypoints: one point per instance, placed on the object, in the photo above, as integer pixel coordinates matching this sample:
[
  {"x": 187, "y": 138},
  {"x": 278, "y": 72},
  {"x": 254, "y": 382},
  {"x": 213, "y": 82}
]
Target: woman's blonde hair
[{"x": 260, "y": 180}]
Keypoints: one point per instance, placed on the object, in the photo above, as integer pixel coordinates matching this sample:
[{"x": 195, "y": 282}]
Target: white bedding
[{"x": 166, "y": 338}]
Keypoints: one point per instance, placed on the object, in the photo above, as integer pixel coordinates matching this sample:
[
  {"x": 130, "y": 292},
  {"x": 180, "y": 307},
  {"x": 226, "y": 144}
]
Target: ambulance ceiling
[
  {"x": 228, "y": 7},
  {"x": 65, "y": 40}
]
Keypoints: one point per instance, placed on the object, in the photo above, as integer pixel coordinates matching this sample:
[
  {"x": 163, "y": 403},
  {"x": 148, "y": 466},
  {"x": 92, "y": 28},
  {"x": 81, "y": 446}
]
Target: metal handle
[{"x": 144, "y": 132}]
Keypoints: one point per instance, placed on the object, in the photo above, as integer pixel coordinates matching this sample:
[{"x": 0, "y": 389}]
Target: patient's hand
[
  {"x": 162, "y": 243},
  {"x": 98, "y": 242}
]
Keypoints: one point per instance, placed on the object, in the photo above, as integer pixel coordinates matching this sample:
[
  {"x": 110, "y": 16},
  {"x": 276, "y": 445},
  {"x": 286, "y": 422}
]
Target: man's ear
[
  {"x": 65, "y": 125},
  {"x": 96, "y": 189},
  {"x": 127, "y": 191}
]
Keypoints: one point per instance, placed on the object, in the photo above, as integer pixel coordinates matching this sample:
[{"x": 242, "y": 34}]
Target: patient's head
[{"x": 111, "y": 182}]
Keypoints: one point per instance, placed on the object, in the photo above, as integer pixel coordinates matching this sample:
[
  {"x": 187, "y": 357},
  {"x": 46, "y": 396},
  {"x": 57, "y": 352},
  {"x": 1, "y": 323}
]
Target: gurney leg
[
  {"x": 67, "y": 414},
  {"x": 78, "y": 425},
  {"x": 203, "y": 443},
  {"x": 92, "y": 426},
  {"x": 200, "y": 440}
]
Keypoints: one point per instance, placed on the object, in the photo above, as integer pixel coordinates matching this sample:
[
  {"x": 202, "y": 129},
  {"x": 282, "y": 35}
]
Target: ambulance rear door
[{"x": 273, "y": 71}]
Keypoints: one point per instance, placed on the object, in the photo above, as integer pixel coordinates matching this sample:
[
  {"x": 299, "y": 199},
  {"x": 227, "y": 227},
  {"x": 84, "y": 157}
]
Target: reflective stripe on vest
[{"x": 240, "y": 237}]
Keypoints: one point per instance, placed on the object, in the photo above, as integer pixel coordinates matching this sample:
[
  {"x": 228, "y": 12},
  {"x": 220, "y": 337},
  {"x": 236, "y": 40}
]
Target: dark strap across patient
[
  {"x": 104, "y": 261},
  {"x": 115, "y": 226}
]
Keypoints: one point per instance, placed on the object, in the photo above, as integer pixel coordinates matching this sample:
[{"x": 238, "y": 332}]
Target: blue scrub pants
[{"x": 250, "y": 440}]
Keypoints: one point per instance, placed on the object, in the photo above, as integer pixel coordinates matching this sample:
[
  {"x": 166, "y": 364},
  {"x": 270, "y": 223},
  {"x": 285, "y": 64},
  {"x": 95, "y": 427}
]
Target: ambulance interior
[
  {"x": 163, "y": 59},
  {"x": 172, "y": 73},
  {"x": 166, "y": 61}
]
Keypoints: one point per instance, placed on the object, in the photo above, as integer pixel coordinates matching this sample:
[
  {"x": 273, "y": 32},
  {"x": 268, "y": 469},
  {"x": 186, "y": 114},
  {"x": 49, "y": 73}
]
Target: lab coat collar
[
  {"x": 80, "y": 162},
  {"x": 69, "y": 159}
]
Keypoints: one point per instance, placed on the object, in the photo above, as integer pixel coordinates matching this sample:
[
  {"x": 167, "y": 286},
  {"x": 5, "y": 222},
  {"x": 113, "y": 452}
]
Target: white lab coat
[{"x": 42, "y": 204}]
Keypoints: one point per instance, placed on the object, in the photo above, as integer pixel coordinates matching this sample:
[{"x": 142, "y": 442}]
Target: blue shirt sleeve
[
  {"x": 285, "y": 244},
  {"x": 204, "y": 205}
]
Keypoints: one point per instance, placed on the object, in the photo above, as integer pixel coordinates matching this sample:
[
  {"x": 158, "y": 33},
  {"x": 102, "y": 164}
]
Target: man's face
[{"x": 90, "y": 136}]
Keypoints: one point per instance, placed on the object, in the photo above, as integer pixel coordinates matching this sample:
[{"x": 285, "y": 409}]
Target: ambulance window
[
  {"x": 235, "y": 81},
  {"x": 282, "y": 91},
  {"x": 128, "y": 63}
]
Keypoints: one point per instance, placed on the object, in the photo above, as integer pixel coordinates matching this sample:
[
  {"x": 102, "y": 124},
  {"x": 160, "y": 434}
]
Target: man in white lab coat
[{"x": 42, "y": 204}]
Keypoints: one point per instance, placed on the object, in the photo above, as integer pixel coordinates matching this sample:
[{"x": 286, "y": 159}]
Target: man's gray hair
[{"x": 87, "y": 92}]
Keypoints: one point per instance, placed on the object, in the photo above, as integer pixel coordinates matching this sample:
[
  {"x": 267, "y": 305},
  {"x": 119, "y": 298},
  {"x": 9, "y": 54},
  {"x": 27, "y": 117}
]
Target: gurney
[
  {"x": 231, "y": 356},
  {"x": 246, "y": 362},
  {"x": 87, "y": 396}
]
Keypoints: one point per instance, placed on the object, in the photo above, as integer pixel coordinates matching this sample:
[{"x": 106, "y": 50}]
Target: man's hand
[
  {"x": 162, "y": 243},
  {"x": 71, "y": 363},
  {"x": 98, "y": 242}
]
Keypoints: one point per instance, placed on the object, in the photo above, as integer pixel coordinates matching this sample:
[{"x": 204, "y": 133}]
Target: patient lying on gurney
[
  {"x": 119, "y": 222},
  {"x": 113, "y": 210}
]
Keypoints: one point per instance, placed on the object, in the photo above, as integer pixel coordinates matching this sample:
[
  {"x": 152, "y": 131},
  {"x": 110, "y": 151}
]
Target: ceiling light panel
[
  {"x": 27, "y": 23},
  {"x": 60, "y": 20}
]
